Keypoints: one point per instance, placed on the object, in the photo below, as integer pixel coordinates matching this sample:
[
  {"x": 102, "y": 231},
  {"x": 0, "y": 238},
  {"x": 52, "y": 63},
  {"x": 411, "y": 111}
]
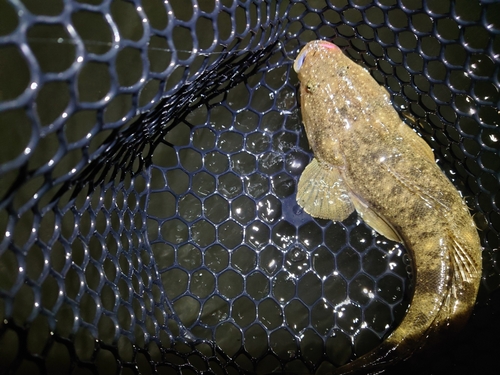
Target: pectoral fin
[
  {"x": 322, "y": 194},
  {"x": 374, "y": 220}
]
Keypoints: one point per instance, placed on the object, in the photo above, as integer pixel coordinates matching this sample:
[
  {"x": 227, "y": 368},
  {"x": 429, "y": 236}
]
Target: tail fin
[{"x": 446, "y": 286}]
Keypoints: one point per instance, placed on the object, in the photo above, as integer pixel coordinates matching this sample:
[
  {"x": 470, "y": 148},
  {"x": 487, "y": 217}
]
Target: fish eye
[
  {"x": 343, "y": 70},
  {"x": 310, "y": 86}
]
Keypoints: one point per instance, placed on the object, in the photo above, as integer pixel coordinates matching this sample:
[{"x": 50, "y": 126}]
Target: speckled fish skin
[{"x": 384, "y": 170}]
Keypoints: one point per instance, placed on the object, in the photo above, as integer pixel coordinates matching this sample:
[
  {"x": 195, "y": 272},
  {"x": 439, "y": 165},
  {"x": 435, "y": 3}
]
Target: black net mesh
[{"x": 149, "y": 161}]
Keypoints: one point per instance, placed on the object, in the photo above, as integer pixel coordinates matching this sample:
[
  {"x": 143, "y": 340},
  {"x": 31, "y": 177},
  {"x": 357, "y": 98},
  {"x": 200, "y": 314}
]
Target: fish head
[
  {"x": 337, "y": 95},
  {"x": 325, "y": 71}
]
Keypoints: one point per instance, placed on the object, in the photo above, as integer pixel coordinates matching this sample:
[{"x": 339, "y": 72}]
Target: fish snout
[{"x": 316, "y": 45}]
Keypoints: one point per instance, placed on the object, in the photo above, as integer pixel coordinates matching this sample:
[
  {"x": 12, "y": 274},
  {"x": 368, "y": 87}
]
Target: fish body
[{"x": 367, "y": 159}]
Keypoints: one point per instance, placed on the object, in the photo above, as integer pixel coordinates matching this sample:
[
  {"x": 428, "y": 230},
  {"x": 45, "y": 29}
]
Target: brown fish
[{"x": 367, "y": 159}]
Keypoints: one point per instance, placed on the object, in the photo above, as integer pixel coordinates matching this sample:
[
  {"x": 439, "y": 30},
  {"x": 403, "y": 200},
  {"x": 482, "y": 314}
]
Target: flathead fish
[{"x": 367, "y": 159}]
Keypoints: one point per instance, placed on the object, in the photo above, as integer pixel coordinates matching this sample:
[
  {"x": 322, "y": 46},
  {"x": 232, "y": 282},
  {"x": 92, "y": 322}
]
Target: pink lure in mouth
[{"x": 325, "y": 44}]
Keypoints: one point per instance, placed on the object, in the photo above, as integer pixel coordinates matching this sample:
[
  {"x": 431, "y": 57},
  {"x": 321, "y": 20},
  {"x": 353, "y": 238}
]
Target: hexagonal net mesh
[{"x": 149, "y": 162}]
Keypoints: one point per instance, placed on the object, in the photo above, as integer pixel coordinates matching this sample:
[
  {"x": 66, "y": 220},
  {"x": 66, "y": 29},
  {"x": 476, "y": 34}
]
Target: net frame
[{"x": 83, "y": 214}]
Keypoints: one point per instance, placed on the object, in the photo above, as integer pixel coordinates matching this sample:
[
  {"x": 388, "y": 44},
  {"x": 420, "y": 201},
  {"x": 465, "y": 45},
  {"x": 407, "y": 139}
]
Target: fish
[{"x": 367, "y": 159}]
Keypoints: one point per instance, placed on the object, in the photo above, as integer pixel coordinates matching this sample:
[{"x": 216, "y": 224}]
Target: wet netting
[{"x": 149, "y": 158}]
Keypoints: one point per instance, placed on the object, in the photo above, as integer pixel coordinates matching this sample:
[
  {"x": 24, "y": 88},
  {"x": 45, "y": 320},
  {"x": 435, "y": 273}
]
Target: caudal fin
[{"x": 445, "y": 291}]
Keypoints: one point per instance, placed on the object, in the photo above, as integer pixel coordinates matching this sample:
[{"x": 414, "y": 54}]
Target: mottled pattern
[{"x": 390, "y": 172}]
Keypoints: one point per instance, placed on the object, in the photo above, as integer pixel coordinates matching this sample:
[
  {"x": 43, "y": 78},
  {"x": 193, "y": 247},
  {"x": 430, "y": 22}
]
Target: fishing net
[{"x": 149, "y": 159}]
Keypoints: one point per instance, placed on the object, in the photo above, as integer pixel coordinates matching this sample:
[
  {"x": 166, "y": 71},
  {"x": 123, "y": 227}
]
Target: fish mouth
[{"x": 314, "y": 45}]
